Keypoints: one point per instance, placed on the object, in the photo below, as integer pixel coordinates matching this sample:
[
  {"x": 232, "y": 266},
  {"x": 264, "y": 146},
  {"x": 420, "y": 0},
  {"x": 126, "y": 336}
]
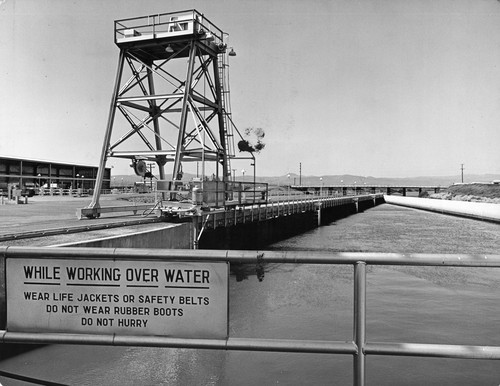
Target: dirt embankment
[{"x": 471, "y": 192}]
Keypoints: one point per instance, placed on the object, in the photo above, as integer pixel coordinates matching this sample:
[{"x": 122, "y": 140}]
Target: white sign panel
[{"x": 175, "y": 299}]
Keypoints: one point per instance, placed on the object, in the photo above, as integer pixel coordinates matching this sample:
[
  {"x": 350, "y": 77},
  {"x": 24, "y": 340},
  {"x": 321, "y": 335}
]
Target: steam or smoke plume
[{"x": 254, "y": 142}]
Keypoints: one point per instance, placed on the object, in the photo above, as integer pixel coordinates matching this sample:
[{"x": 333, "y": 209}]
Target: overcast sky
[{"x": 384, "y": 88}]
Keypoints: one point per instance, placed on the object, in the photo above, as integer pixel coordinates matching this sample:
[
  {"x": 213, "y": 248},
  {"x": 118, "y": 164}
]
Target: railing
[
  {"x": 214, "y": 193},
  {"x": 163, "y": 24},
  {"x": 273, "y": 209},
  {"x": 358, "y": 347},
  {"x": 287, "y": 194}
]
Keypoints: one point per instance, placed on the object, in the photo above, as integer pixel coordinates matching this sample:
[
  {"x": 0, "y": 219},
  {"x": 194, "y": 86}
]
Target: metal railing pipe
[
  {"x": 233, "y": 344},
  {"x": 159, "y": 341},
  {"x": 55, "y": 338},
  {"x": 297, "y": 346},
  {"x": 359, "y": 330},
  {"x": 246, "y": 256},
  {"x": 433, "y": 350}
]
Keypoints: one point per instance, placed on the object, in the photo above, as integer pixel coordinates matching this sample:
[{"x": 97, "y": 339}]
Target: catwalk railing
[{"x": 359, "y": 347}]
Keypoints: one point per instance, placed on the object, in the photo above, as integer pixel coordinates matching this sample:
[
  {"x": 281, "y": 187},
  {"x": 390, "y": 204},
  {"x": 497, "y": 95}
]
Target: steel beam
[
  {"x": 149, "y": 97},
  {"x": 94, "y": 204},
  {"x": 184, "y": 112}
]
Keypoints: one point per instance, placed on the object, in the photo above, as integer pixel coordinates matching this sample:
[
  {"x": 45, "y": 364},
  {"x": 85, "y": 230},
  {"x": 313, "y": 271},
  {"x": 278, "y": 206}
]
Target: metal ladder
[{"x": 226, "y": 105}]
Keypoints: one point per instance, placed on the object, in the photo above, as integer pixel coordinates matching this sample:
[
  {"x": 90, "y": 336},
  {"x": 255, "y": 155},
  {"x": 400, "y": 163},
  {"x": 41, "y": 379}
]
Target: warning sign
[{"x": 175, "y": 299}]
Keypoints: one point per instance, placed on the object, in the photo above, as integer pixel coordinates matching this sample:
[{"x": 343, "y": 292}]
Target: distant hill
[{"x": 347, "y": 179}]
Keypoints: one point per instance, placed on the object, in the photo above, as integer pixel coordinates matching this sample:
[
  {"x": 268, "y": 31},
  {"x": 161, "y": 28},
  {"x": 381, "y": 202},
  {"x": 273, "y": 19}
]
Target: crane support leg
[{"x": 94, "y": 204}]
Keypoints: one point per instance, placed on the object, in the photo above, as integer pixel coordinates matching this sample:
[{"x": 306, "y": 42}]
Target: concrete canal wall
[
  {"x": 260, "y": 233},
  {"x": 246, "y": 231},
  {"x": 478, "y": 210},
  {"x": 247, "y": 228},
  {"x": 257, "y": 234},
  {"x": 165, "y": 236}
]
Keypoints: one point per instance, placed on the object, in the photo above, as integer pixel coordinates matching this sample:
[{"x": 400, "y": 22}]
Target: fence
[{"x": 359, "y": 347}]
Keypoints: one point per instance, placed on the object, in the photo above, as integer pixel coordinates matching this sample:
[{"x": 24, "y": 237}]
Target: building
[{"x": 33, "y": 174}]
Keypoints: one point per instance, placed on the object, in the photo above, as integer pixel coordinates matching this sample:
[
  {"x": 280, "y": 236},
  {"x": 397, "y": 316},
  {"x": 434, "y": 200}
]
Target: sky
[{"x": 383, "y": 88}]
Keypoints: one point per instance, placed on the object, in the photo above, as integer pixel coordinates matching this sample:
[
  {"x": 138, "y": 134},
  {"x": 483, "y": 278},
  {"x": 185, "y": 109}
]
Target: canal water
[{"x": 404, "y": 304}]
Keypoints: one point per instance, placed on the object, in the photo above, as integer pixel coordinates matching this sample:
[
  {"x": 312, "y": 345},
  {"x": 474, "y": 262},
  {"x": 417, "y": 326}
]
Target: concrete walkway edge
[{"x": 478, "y": 210}]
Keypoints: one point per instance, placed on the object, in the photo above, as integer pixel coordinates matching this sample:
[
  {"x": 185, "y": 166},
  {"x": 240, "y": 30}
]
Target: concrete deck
[{"x": 47, "y": 213}]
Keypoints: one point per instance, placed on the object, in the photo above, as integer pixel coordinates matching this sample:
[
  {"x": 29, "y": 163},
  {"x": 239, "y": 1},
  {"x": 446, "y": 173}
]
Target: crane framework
[{"x": 172, "y": 93}]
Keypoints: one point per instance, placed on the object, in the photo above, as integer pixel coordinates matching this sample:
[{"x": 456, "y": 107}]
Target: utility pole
[
  {"x": 300, "y": 173},
  {"x": 462, "y": 170}
]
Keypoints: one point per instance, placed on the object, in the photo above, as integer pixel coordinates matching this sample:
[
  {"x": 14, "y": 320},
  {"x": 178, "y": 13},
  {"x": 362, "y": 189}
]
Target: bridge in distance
[{"x": 367, "y": 188}]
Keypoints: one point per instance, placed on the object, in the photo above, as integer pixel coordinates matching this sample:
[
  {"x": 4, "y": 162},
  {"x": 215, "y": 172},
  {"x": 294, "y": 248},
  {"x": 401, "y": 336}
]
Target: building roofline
[{"x": 48, "y": 161}]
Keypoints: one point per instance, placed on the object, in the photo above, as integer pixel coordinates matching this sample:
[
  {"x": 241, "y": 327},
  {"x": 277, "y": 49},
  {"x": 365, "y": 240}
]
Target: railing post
[
  {"x": 359, "y": 335},
  {"x": 3, "y": 289}
]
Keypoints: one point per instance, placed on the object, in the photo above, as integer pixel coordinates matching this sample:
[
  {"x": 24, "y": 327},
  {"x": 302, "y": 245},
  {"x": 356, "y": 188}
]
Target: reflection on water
[{"x": 405, "y": 304}]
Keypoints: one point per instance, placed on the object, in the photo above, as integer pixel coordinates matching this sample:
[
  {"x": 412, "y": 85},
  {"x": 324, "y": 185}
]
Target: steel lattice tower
[{"x": 171, "y": 89}]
